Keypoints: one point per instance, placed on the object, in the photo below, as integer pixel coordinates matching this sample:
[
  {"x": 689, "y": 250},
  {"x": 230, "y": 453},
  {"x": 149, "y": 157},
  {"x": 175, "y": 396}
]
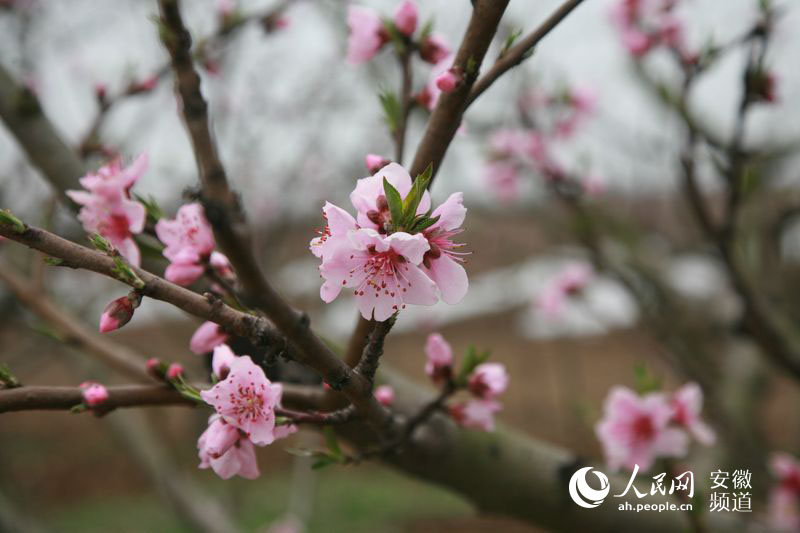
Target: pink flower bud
[
  {"x": 155, "y": 367},
  {"x": 146, "y": 85},
  {"x": 207, "y": 337},
  {"x": 174, "y": 371},
  {"x": 375, "y": 162},
  {"x": 118, "y": 312},
  {"x": 100, "y": 91},
  {"x": 385, "y": 395},
  {"x": 94, "y": 393},
  {"x": 449, "y": 80},
  {"x": 439, "y": 356},
  {"x": 434, "y": 49},
  {"x": 405, "y": 18},
  {"x": 488, "y": 380}
]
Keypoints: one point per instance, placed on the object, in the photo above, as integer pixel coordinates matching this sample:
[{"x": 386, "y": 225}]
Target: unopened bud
[
  {"x": 449, "y": 80},
  {"x": 174, "y": 371},
  {"x": 375, "y": 162},
  {"x": 119, "y": 312}
]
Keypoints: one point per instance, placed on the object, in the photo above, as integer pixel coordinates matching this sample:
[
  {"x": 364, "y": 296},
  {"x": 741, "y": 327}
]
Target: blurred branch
[
  {"x": 22, "y": 114},
  {"x": 510, "y": 474},
  {"x": 72, "y": 332},
  {"x": 255, "y": 328},
  {"x": 228, "y": 220},
  {"x": 47, "y": 398},
  {"x": 518, "y": 53}
]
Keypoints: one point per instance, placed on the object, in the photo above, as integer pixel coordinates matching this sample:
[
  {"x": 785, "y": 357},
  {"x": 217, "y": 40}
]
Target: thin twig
[{"x": 517, "y": 53}]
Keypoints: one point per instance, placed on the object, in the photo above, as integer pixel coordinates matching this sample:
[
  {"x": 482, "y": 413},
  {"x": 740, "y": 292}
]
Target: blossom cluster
[
  {"x": 245, "y": 401},
  {"x": 549, "y": 119},
  {"x": 369, "y": 33},
  {"x": 107, "y": 207},
  {"x": 569, "y": 282},
  {"x": 485, "y": 382},
  {"x": 647, "y": 24},
  {"x": 637, "y": 430},
  {"x": 396, "y": 250}
]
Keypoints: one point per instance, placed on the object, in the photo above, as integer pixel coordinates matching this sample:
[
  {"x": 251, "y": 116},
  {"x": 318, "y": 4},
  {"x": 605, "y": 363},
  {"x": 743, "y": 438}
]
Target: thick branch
[
  {"x": 446, "y": 116},
  {"x": 226, "y": 216},
  {"x": 519, "y": 52},
  {"x": 257, "y": 329}
]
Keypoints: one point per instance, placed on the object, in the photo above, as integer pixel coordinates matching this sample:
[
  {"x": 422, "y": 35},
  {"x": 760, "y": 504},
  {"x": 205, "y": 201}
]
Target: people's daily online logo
[
  {"x": 680, "y": 486},
  {"x": 582, "y": 493}
]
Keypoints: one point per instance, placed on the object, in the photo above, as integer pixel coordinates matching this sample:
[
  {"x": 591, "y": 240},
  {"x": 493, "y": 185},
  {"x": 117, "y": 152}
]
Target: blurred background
[{"x": 294, "y": 121}]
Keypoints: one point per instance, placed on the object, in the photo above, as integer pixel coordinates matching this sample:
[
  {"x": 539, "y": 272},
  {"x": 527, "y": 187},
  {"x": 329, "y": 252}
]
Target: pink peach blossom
[
  {"x": 442, "y": 263},
  {"x": 488, "y": 380},
  {"x": 189, "y": 243},
  {"x": 207, "y": 337},
  {"x": 246, "y": 399},
  {"x": 635, "y": 430},
  {"x": 222, "y": 361},
  {"x": 405, "y": 17},
  {"x": 476, "y": 414},
  {"x": 503, "y": 180},
  {"x": 570, "y": 281},
  {"x": 439, "y": 358},
  {"x": 335, "y": 233},
  {"x": 687, "y": 403},
  {"x": 369, "y": 198},
  {"x": 385, "y": 395},
  {"x": 367, "y": 34},
  {"x": 107, "y": 207},
  {"x": 375, "y": 162},
  {"x": 223, "y": 448},
  {"x": 784, "y": 497},
  {"x": 382, "y": 270},
  {"x": 94, "y": 393}
]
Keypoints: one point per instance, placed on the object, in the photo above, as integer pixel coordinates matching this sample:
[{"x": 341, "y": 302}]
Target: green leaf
[
  {"x": 333, "y": 443},
  {"x": 414, "y": 197},
  {"x": 100, "y": 243},
  {"x": 7, "y": 218},
  {"x": 645, "y": 381},
  {"x": 7, "y": 378},
  {"x": 151, "y": 206},
  {"x": 392, "y": 110},
  {"x": 395, "y": 203},
  {"x": 53, "y": 261},
  {"x": 510, "y": 40},
  {"x": 471, "y": 360},
  {"x": 123, "y": 272},
  {"x": 425, "y": 223},
  {"x": 323, "y": 461},
  {"x": 427, "y": 30}
]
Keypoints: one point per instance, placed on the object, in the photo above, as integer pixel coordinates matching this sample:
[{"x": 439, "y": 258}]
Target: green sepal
[
  {"x": 7, "y": 218},
  {"x": 395, "y": 204},
  {"x": 471, "y": 360}
]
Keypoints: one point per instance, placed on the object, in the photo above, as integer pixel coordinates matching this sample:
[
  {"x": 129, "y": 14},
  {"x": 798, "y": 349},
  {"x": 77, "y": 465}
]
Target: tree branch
[
  {"x": 50, "y": 398},
  {"x": 519, "y": 52},
  {"x": 23, "y": 116},
  {"x": 257, "y": 329},
  {"x": 446, "y": 116},
  {"x": 227, "y": 218}
]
